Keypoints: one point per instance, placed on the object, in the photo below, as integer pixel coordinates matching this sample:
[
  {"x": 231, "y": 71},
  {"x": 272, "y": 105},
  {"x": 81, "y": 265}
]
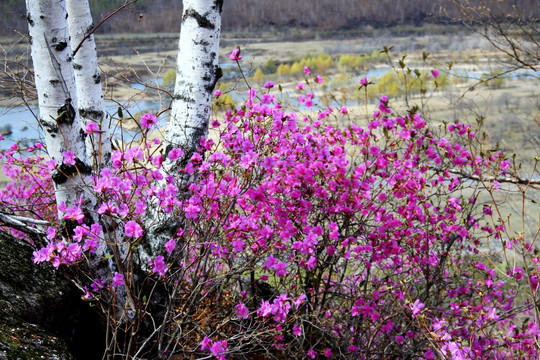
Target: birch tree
[
  {"x": 70, "y": 96},
  {"x": 88, "y": 81},
  {"x": 55, "y": 84},
  {"x": 197, "y": 72}
]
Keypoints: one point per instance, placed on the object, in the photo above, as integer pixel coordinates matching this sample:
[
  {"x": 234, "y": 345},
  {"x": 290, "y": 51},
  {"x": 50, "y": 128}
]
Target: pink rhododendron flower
[
  {"x": 218, "y": 93},
  {"x": 132, "y": 229},
  {"x": 206, "y": 343},
  {"x": 328, "y": 353},
  {"x": 306, "y": 70},
  {"x": 417, "y": 307},
  {"x": 118, "y": 280},
  {"x": 297, "y": 330},
  {"x": 235, "y": 55},
  {"x": 269, "y": 85},
  {"x": 242, "y": 310},
  {"x": 158, "y": 265},
  {"x": 148, "y": 120},
  {"x": 91, "y": 127},
  {"x": 218, "y": 349},
  {"x": 69, "y": 157},
  {"x": 319, "y": 79},
  {"x": 364, "y": 81},
  {"x": 435, "y": 73},
  {"x": 74, "y": 213},
  {"x": 175, "y": 154},
  {"x": 170, "y": 245}
]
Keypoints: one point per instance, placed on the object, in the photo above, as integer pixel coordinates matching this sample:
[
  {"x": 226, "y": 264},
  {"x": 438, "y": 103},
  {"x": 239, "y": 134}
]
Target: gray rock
[{"x": 41, "y": 312}]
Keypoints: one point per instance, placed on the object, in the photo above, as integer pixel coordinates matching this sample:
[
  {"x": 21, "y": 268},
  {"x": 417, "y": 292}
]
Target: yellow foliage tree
[{"x": 258, "y": 77}]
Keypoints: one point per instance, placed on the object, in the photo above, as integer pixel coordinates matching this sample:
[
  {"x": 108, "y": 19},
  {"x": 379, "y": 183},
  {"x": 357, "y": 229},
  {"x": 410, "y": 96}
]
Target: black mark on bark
[
  {"x": 90, "y": 28},
  {"x": 65, "y": 171},
  {"x": 29, "y": 18},
  {"x": 91, "y": 114},
  {"x": 77, "y": 66},
  {"x": 66, "y": 113},
  {"x": 97, "y": 78},
  {"x": 50, "y": 127},
  {"x": 219, "y": 5},
  {"x": 60, "y": 46},
  {"x": 201, "y": 20},
  {"x": 184, "y": 98}
]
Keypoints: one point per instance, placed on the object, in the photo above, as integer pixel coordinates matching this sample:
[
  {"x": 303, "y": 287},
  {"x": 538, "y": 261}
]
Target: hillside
[{"x": 249, "y": 15}]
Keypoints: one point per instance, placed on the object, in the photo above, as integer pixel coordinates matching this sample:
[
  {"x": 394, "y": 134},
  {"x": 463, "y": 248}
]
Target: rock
[
  {"x": 6, "y": 130},
  {"x": 41, "y": 312},
  {"x": 20, "y": 340}
]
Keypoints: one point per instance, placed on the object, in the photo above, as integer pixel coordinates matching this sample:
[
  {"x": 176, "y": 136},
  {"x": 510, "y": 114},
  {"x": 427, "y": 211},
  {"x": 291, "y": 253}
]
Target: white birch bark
[
  {"x": 55, "y": 84},
  {"x": 197, "y": 72},
  {"x": 88, "y": 80}
]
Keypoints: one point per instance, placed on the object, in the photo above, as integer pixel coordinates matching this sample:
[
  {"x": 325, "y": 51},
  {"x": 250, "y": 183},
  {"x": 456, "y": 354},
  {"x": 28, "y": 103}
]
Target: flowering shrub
[{"x": 297, "y": 238}]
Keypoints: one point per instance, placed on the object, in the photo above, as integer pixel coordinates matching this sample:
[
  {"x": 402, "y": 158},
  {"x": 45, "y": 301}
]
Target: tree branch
[
  {"x": 19, "y": 223},
  {"x": 501, "y": 179}
]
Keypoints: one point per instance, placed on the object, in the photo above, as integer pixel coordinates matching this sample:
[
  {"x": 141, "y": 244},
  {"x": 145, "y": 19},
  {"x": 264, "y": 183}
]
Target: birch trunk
[
  {"x": 88, "y": 80},
  {"x": 55, "y": 84},
  {"x": 197, "y": 72}
]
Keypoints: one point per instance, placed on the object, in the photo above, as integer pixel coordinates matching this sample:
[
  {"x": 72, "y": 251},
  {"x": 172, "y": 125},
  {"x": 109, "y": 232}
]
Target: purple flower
[
  {"x": 363, "y": 81},
  {"x": 175, "y": 154},
  {"x": 319, "y": 79},
  {"x": 417, "y": 307},
  {"x": 435, "y": 73},
  {"x": 235, "y": 55},
  {"x": 51, "y": 233},
  {"x": 281, "y": 269},
  {"x": 312, "y": 263},
  {"x": 69, "y": 158},
  {"x": 147, "y": 120},
  {"x": 118, "y": 280},
  {"x": 159, "y": 266},
  {"x": 269, "y": 85},
  {"x": 297, "y": 330},
  {"x": 218, "y": 93},
  {"x": 91, "y": 127},
  {"x": 218, "y": 348},
  {"x": 206, "y": 343},
  {"x": 169, "y": 246},
  {"x": 133, "y": 229},
  {"x": 242, "y": 310},
  {"x": 328, "y": 353},
  {"x": 74, "y": 213}
]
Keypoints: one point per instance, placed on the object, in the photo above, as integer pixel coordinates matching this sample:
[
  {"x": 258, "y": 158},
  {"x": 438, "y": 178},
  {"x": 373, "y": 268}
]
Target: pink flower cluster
[{"x": 360, "y": 235}]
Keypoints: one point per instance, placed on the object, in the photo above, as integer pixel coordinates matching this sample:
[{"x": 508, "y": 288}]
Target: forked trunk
[{"x": 55, "y": 84}]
